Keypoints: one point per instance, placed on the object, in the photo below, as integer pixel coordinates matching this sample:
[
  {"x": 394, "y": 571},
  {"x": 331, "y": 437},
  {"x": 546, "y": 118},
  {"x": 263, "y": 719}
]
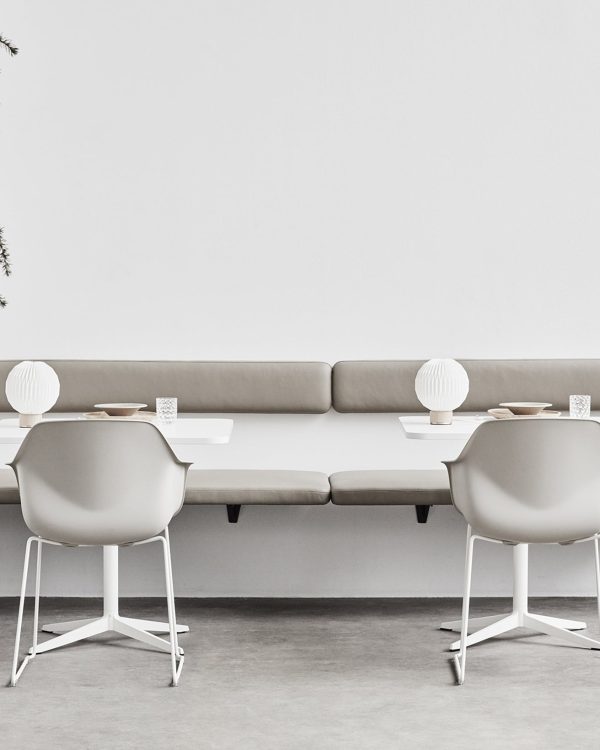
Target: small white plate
[
  {"x": 120, "y": 410},
  {"x": 508, "y": 414},
  {"x": 525, "y": 408}
]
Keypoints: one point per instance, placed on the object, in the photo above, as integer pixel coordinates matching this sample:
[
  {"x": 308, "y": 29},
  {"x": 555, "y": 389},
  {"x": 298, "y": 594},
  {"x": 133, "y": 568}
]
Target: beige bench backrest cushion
[
  {"x": 260, "y": 387},
  {"x": 389, "y": 386}
]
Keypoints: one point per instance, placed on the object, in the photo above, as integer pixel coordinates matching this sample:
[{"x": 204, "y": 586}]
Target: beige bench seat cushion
[
  {"x": 391, "y": 487},
  {"x": 229, "y": 487},
  {"x": 256, "y": 487},
  {"x": 9, "y": 492}
]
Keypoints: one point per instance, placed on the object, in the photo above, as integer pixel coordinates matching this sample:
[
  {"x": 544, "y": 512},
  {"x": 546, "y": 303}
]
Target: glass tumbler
[
  {"x": 579, "y": 406},
  {"x": 166, "y": 409}
]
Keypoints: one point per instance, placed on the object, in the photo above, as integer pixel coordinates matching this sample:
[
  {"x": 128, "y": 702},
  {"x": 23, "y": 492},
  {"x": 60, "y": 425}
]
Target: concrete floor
[{"x": 304, "y": 675}]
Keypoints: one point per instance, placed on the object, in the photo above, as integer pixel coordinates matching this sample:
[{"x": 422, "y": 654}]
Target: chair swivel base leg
[
  {"x": 475, "y": 622},
  {"x": 555, "y": 626},
  {"x": 106, "y": 624},
  {"x": 455, "y": 625},
  {"x": 543, "y": 624},
  {"x": 149, "y": 625}
]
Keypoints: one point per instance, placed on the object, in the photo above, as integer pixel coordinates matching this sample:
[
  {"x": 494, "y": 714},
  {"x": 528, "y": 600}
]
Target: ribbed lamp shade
[
  {"x": 441, "y": 386},
  {"x": 31, "y": 389}
]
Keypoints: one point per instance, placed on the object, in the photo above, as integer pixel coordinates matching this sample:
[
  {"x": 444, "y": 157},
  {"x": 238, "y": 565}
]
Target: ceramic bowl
[{"x": 120, "y": 410}]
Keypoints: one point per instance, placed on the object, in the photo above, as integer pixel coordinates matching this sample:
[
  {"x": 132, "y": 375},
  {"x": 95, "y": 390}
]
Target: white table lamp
[
  {"x": 32, "y": 388},
  {"x": 441, "y": 386}
]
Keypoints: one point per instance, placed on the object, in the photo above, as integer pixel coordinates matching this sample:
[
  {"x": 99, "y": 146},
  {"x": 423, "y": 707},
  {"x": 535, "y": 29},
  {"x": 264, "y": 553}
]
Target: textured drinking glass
[
  {"x": 166, "y": 409},
  {"x": 579, "y": 406}
]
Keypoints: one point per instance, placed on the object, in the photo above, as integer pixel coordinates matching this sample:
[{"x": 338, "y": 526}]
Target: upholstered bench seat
[
  {"x": 9, "y": 492},
  {"x": 229, "y": 487},
  {"x": 391, "y": 487},
  {"x": 263, "y": 487},
  {"x": 256, "y": 487}
]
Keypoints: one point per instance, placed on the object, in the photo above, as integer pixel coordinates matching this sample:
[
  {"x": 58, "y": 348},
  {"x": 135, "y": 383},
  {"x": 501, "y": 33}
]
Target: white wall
[{"x": 302, "y": 180}]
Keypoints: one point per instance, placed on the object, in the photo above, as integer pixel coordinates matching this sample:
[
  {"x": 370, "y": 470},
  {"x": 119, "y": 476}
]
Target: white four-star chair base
[
  {"x": 110, "y": 622},
  {"x": 494, "y": 625}
]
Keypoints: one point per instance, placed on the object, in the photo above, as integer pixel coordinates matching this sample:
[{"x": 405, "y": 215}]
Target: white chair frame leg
[
  {"x": 597, "y": 561},
  {"x": 111, "y": 621},
  {"x": 520, "y": 617},
  {"x": 460, "y": 660},
  {"x": 16, "y": 670}
]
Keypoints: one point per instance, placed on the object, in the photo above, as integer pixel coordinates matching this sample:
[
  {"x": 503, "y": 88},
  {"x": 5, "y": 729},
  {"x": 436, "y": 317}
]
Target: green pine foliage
[{"x": 4, "y": 256}]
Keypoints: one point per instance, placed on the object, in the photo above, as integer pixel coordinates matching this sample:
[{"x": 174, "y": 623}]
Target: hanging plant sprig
[
  {"x": 4, "y": 262},
  {"x": 8, "y": 46},
  {"x": 4, "y": 256}
]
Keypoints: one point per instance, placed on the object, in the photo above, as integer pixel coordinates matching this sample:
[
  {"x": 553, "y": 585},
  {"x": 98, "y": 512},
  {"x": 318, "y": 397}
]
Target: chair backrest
[
  {"x": 530, "y": 480},
  {"x": 98, "y": 482}
]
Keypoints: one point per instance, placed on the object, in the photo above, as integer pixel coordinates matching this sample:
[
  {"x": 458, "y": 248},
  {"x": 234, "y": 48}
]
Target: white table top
[
  {"x": 187, "y": 430},
  {"x": 417, "y": 426}
]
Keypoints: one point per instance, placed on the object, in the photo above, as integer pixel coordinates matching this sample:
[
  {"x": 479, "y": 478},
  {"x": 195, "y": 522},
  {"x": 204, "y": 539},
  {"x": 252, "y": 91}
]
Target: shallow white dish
[
  {"x": 525, "y": 408},
  {"x": 139, "y": 416},
  {"x": 120, "y": 410},
  {"x": 508, "y": 414}
]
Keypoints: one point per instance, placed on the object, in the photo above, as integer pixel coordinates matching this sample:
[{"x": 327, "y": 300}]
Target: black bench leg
[
  {"x": 422, "y": 513},
  {"x": 233, "y": 513}
]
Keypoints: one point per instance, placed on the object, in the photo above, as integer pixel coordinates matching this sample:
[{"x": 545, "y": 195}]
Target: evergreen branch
[
  {"x": 9, "y": 47},
  {"x": 4, "y": 258},
  {"x": 4, "y": 255}
]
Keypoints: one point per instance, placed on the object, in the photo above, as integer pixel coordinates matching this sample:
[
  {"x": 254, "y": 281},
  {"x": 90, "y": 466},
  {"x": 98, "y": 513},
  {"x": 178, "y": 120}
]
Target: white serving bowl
[
  {"x": 120, "y": 410},
  {"x": 525, "y": 408}
]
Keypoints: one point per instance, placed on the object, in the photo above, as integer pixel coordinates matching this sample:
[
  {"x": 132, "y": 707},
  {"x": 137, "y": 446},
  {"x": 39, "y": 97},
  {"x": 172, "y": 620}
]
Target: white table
[
  {"x": 418, "y": 428},
  {"x": 188, "y": 430},
  {"x": 186, "y": 433}
]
